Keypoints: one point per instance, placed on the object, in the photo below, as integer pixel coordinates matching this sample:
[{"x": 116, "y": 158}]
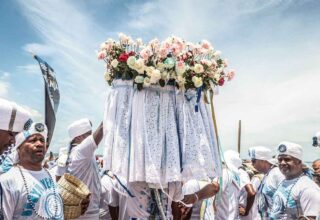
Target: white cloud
[
  {"x": 39, "y": 49},
  {"x": 4, "y": 84},
  {"x": 32, "y": 69}
]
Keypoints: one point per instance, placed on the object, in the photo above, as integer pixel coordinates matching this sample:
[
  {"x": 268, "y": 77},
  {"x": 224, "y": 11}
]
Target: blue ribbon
[{"x": 199, "y": 91}]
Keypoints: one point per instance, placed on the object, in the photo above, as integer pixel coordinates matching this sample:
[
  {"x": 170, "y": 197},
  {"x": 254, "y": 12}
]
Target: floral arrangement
[{"x": 173, "y": 61}]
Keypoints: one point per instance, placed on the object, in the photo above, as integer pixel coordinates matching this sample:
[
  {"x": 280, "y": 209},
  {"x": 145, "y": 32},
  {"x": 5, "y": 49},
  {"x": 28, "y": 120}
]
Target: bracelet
[{"x": 197, "y": 198}]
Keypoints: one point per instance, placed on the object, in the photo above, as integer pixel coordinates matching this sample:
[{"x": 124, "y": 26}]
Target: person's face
[
  {"x": 289, "y": 166},
  {"x": 7, "y": 138},
  {"x": 33, "y": 150},
  {"x": 316, "y": 167},
  {"x": 259, "y": 165},
  {"x": 79, "y": 139}
]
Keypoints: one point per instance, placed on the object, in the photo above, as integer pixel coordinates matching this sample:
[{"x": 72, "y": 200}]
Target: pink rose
[
  {"x": 145, "y": 53},
  {"x": 101, "y": 55},
  {"x": 175, "y": 49},
  {"x": 230, "y": 74},
  {"x": 163, "y": 52},
  {"x": 205, "y": 44}
]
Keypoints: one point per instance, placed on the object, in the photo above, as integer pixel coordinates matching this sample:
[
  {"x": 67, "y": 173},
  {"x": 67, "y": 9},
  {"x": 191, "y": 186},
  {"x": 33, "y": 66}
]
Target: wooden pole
[{"x": 239, "y": 137}]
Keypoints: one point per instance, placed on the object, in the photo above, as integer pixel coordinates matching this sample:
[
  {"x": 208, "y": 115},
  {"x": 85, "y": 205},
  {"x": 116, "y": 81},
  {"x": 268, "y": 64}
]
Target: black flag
[{"x": 52, "y": 95}]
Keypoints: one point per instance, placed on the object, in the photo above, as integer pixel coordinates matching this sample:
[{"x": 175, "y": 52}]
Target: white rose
[
  {"x": 164, "y": 75},
  {"x": 181, "y": 80},
  {"x": 149, "y": 70},
  {"x": 114, "y": 63},
  {"x": 156, "y": 74},
  {"x": 139, "y": 79},
  {"x": 197, "y": 81},
  {"x": 198, "y": 68},
  {"x": 217, "y": 53},
  {"x": 139, "y": 41},
  {"x": 139, "y": 66},
  {"x": 160, "y": 66},
  {"x": 216, "y": 77},
  {"x": 131, "y": 61},
  {"x": 146, "y": 82},
  {"x": 107, "y": 76}
]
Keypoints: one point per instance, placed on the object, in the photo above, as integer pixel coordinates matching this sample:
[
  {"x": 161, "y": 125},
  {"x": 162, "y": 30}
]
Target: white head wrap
[
  {"x": 12, "y": 116},
  {"x": 291, "y": 149},
  {"x": 261, "y": 153},
  {"x": 233, "y": 161},
  {"x": 79, "y": 127},
  {"x": 35, "y": 128}
]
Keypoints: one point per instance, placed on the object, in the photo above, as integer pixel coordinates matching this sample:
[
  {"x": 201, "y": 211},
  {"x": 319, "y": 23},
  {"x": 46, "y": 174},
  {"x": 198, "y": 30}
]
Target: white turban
[
  {"x": 79, "y": 127},
  {"x": 35, "y": 128},
  {"x": 291, "y": 149},
  {"x": 261, "y": 153},
  {"x": 233, "y": 161},
  {"x": 12, "y": 116}
]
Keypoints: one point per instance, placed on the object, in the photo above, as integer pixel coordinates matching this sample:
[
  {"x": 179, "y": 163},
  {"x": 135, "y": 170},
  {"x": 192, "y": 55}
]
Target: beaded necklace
[
  {"x": 29, "y": 198},
  {"x": 295, "y": 182}
]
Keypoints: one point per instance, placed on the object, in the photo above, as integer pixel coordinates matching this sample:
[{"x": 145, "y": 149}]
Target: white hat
[
  {"x": 291, "y": 149},
  {"x": 79, "y": 127},
  {"x": 261, "y": 153},
  {"x": 233, "y": 161},
  {"x": 35, "y": 128},
  {"x": 12, "y": 116}
]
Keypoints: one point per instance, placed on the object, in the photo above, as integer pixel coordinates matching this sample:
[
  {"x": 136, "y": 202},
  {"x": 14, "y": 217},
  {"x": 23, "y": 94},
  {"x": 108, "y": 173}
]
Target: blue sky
[{"x": 274, "y": 46}]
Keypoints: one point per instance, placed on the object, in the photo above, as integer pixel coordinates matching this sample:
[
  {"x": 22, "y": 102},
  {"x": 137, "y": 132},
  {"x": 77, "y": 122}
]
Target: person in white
[
  {"x": 194, "y": 192},
  {"x": 13, "y": 119},
  {"x": 227, "y": 201},
  {"x": 262, "y": 161},
  {"x": 81, "y": 162},
  {"x": 297, "y": 195},
  {"x": 261, "y": 157},
  {"x": 29, "y": 191},
  {"x": 247, "y": 193}
]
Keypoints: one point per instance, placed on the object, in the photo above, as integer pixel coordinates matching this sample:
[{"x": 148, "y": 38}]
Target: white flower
[
  {"x": 160, "y": 66},
  {"x": 217, "y": 53},
  {"x": 139, "y": 41},
  {"x": 181, "y": 80},
  {"x": 139, "y": 79},
  {"x": 107, "y": 76},
  {"x": 155, "y": 76},
  {"x": 180, "y": 67},
  {"x": 216, "y": 77},
  {"x": 123, "y": 38},
  {"x": 198, "y": 68},
  {"x": 164, "y": 75},
  {"x": 131, "y": 61},
  {"x": 197, "y": 81},
  {"x": 139, "y": 66},
  {"x": 114, "y": 63},
  {"x": 146, "y": 82},
  {"x": 149, "y": 70}
]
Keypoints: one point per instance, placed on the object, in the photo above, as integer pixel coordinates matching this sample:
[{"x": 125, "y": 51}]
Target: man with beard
[
  {"x": 13, "y": 119},
  {"x": 297, "y": 196},
  {"x": 316, "y": 169},
  {"x": 29, "y": 191}
]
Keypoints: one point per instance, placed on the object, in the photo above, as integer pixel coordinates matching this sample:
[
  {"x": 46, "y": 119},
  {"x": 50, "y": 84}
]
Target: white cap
[
  {"x": 233, "y": 161},
  {"x": 12, "y": 116},
  {"x": 35, "y": 128},
  {"x": 291, "y": 149},
  {"x": 261, "y": 153},
  {"x": 79, "y": 127}
]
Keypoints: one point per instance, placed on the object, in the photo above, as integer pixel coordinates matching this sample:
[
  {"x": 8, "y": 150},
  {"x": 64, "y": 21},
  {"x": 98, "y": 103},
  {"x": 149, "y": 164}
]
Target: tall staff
[{"x": 239, "y": 137}]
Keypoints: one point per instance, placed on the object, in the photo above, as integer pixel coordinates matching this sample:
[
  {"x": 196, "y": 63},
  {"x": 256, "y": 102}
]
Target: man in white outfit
[
  {"x": 297, "y": 196},
  {"x": 81, "y": 163},
  {"x": 13, "y": 119}
]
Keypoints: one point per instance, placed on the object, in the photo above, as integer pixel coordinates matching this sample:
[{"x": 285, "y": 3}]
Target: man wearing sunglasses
[{"x": 262, "y": 161}]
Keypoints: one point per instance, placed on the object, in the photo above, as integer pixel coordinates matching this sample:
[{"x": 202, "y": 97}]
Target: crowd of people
[{"x": 271, "y": 185}]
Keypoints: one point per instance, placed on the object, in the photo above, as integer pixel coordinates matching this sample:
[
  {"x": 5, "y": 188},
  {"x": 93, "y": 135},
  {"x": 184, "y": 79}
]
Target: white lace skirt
[{"x": 155, "y": 135}]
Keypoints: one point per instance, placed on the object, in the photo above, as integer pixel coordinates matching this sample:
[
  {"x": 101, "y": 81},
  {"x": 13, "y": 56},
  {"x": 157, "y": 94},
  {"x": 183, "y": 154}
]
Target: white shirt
[
  {"x": 253, "y": 213},
  {"x": 203, "y": 208},
  {"x": 294, "y": 195},
  {"x": 83, "y": 166},
  {"x": 41, "y": 191},
  {"x": 267, "y": 188},
  {"x": 227, "y": 202}
]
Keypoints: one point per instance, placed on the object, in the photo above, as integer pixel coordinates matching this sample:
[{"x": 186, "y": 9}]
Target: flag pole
[{"x": 239, "y": 137}]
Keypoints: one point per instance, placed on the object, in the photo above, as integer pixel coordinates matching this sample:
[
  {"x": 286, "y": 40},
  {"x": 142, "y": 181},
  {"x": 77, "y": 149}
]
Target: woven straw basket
[{"x": 72, "y": 191}]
